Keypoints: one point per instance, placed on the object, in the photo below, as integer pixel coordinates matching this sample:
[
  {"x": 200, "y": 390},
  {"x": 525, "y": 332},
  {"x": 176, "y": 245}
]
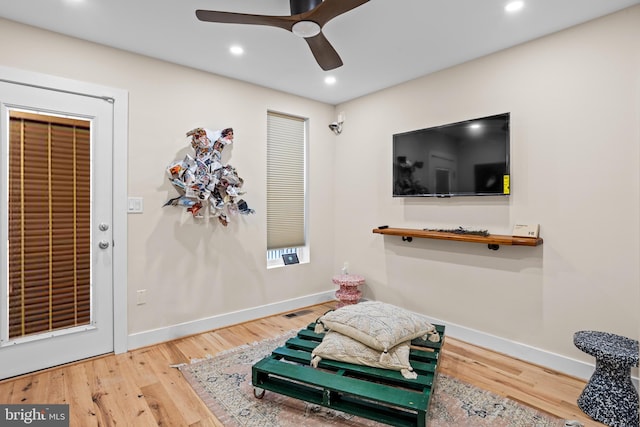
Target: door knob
[
  {"x": 103, "y": 244},
  {"x": 103, "y": 226}
]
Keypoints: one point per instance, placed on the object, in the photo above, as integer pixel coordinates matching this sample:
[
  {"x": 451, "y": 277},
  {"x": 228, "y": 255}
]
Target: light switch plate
[{"x": 135, "y": 205}]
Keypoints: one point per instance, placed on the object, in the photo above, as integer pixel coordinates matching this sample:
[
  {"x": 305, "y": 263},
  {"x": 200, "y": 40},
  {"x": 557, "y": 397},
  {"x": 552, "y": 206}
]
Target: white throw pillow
[
  {"x": 377, "y": 325},
  {"x": 335, "y": 346}
]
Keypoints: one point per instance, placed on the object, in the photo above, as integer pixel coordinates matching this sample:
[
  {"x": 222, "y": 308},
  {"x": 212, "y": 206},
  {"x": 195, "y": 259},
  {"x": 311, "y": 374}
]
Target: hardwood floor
[{"x": 140, "y": 388}]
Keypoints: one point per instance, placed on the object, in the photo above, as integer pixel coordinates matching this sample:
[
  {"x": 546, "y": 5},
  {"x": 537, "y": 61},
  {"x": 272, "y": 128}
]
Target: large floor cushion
[
  {"x": 335, "y": 346},
  {"x": 378, "y": 325}
]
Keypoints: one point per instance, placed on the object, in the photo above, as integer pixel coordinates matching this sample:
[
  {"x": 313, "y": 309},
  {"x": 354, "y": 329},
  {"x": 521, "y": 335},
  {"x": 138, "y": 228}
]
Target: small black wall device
[{"x": 290, "y": 259}]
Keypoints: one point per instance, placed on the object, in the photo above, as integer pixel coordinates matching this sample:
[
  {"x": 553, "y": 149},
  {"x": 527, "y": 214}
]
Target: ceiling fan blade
[
  {"x": 285, "y": 22},
  {"x": 325, "y": 54},
  {"x": 329, "y": 9}
]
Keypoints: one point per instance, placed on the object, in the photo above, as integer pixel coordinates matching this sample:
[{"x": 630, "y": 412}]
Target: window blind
[
  {"x": 285, "y": 181},
  {"x": 48, "y": 223}
]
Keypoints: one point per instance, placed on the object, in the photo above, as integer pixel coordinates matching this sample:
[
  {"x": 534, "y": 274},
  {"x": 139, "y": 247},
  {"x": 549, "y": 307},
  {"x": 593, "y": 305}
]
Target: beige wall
[
  {"x": 194, "y": 271},
  {"x": 574, "y": 99}
]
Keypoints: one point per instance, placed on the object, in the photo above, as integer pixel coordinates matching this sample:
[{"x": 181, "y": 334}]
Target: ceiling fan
[{"x": 306, "y": 21}]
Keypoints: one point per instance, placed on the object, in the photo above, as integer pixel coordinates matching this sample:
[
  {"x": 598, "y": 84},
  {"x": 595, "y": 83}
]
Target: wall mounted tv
[{"x": 469, "y": 158}]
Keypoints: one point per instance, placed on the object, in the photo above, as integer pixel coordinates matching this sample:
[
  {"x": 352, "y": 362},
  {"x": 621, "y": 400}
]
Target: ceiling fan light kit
[
  {"x": 307, "y": 19},
  {"x": 305, "y": 29}
]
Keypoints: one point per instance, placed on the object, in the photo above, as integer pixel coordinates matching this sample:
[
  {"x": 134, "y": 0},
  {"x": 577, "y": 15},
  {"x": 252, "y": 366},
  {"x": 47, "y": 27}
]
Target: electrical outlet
[{"x": 141, "y": 296}]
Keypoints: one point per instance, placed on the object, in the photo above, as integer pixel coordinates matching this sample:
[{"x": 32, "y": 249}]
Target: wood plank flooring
[{"x": 140, "y": 388}]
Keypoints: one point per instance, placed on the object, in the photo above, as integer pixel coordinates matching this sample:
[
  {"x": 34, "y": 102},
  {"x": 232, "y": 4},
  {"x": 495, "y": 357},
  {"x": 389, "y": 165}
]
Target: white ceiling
[{"x": 382, "y": 42}]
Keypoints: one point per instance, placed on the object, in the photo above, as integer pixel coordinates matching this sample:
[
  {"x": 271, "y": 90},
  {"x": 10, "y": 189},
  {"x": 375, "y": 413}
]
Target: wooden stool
[{"x": 610, "y": 396}]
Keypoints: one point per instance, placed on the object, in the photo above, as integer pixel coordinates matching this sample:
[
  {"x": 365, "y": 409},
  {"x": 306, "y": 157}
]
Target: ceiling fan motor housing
[{"x": 302, "y": 6}]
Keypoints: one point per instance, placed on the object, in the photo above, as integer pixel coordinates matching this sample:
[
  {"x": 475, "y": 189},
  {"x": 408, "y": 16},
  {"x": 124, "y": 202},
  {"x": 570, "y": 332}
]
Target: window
[{"x": 286, "y": 195}]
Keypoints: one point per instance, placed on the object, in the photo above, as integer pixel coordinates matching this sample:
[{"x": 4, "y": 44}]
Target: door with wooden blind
[{"x": 56, "y": 213}]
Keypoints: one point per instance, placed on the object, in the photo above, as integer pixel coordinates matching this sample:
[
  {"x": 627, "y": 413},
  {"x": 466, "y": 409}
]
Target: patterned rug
[{"x": 223, "y": 382}]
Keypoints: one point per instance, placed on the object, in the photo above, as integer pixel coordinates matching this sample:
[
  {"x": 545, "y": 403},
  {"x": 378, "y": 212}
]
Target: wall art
[{"x": 206, "y": 187}]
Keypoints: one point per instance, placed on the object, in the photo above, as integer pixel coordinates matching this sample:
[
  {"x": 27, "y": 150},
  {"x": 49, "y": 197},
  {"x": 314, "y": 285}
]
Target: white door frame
[{"x": 120, "y": 99}]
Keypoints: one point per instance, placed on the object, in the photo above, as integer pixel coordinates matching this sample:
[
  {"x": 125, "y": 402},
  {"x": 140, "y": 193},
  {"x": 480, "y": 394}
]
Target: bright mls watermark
[{"x": 34, "y": 415}]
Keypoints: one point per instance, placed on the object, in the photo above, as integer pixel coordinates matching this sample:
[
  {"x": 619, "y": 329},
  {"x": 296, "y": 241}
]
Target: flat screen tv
[{"x": 469, "y": 158}]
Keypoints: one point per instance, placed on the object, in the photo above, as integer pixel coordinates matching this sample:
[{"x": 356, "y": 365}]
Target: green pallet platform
[{"x": 379, "y": 394}]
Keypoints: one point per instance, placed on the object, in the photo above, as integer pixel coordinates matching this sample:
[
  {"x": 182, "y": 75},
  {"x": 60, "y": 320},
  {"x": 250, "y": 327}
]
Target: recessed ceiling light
[
  {"x": 330, "y": 80},
  {"x": 236, "y": 50},
  {"x": 514, "y": 6}
]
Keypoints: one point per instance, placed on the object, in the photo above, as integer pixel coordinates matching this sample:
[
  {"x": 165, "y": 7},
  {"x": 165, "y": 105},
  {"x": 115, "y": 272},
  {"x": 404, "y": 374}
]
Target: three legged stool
[{"x": 610, "y": 396}]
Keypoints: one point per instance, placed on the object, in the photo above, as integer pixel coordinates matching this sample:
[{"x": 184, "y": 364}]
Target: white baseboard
[
  {"x": 556, "y": 362},
  {"x": 514, "y": 349},
  {"x": 156, "y": 336}
]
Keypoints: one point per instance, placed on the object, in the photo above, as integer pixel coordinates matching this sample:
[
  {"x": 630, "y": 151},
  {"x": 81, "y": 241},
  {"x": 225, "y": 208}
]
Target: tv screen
[{"x": 469, "y": 158}]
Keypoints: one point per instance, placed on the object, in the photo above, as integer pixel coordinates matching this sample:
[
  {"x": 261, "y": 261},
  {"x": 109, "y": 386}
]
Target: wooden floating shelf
[{"x": 492, "y": 240}]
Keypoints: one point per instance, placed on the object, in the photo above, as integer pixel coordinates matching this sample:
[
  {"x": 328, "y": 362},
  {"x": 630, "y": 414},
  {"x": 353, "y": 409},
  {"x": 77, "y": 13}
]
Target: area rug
[{"x": 223, "y": 382}]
